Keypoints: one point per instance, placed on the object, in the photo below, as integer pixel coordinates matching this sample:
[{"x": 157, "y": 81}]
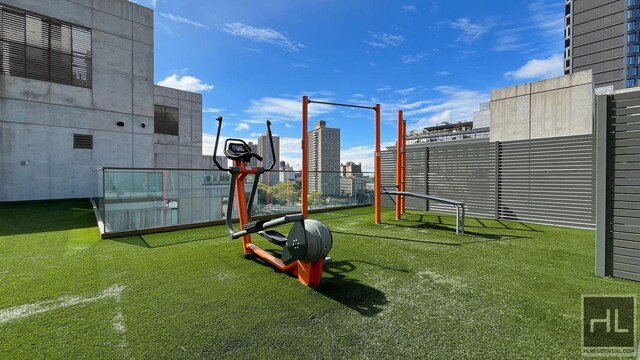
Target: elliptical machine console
[{"x": 304, "y": 249}]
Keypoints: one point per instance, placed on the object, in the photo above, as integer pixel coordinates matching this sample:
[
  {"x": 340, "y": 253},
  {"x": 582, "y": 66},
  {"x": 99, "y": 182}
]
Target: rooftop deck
[{"x": 404, "y": 288}]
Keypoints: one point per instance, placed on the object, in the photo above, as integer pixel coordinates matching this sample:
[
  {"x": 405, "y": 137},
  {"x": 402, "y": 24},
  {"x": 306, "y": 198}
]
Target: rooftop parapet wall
[{"x": 561, "y": 106}]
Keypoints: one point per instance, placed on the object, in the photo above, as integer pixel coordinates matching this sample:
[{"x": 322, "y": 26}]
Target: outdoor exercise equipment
[
  {"x": 401, "y": 193},
  {"x": 305, "y": 151},
  {"x": 304, "y": 249}
]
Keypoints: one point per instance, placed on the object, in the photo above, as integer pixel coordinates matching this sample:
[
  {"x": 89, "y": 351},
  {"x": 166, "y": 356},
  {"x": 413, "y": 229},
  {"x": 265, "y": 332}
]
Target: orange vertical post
[
  {"x": 241, "y": 205},
  {"x": 305, "y": 155},
  {"x": 399, "y": 150},
  {"x": 376, "y": 166},
  {"x": 403, "y": 182}
]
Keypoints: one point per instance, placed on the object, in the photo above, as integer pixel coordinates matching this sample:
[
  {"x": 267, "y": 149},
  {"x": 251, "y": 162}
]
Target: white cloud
[
  {"x": 409, "y": 8},
  {"x": 283, "y": 109},
  {"x": 154, "y": 3},
  {"x": 470, "y": 31},
  {"x": 455, "y": 104},
  {"x": 266, "y": 35},
  {"x": 538, "y": 69},
  {"x": 406, "y": 91},
  {"x": 361, "y": 154},
  {"x": 549, "y": 17},
  {"x": 546, "y": 21},
  {"x": 443, "y": 73},
  {"x": 408, "y": 59},
  {"x": 242, "y": 126},
  {"x": 180, "y": 19},
  {"x": 372, "y": 64},
  {"x": 291, "y": 151},
  {"x": 187, "y": 83},
  {"x": 509, "y": 42},
  {"x": 288, "y": 126},
  {"x": 384, "y": 40},
  {"x": 212, "y": 110},
  {"x": 301, "y": 66}
]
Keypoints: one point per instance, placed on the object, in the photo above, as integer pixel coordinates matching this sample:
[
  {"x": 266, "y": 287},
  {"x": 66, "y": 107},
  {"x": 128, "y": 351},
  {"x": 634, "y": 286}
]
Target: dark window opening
[
  {"x": 165, "y": 120},
  {"x": 40, "y": 48}
]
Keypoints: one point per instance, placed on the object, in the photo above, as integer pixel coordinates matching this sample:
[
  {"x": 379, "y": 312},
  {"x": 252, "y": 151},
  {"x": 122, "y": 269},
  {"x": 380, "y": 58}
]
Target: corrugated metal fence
[
  {"x": 549, "y": 181},
  {"x": 618, "y": 172}
]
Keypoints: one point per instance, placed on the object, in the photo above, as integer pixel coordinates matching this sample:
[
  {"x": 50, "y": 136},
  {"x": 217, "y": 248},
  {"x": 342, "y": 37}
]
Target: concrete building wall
[
  {"x": 482, "y": 117},
  {"x": 560, "y": 106},
  {"x": 185, "y": 150},
  {"x": 38, "y": 118}
]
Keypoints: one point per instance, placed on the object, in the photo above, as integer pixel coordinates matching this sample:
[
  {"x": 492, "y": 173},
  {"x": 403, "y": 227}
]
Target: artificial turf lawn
[{"x": 401, "y": 289}]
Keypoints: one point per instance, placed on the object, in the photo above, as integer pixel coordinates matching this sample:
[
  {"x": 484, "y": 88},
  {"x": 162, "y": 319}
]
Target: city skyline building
[
  {"x": 324, "y": 160},
  {"x": 286, "y": 172},
  {"x": 264, "y": 150}
]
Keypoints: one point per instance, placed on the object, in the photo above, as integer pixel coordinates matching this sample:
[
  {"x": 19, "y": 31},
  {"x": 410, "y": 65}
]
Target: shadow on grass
[
  {"x": 364, "y": 299},
  {"x": 142, "y": 242},
  {"x": 487, "y": 237},
  {"x": 482, "y": 223},
  {"x": 351, "y": 293},
  {"x": 396, "y": 238},
  {"x": 31, "y": 217}
]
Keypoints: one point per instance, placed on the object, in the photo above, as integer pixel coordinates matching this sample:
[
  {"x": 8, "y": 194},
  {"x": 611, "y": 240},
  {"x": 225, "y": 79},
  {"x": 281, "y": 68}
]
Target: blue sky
[{"x": 436, "y": 60}]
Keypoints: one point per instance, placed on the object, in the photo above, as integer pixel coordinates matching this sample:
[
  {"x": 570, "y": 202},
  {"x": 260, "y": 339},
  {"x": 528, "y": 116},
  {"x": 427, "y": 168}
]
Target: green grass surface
[{"x": 409, "y": 288}]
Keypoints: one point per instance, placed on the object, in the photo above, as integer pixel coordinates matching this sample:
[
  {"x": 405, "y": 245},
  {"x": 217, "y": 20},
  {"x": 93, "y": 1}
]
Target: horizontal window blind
[{"x": 40, "y": 48}]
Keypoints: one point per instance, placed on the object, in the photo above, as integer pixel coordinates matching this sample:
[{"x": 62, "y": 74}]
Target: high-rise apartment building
[
  {"x": 324, "y": 160},
  {"x": 264, "y": 150},
  {"x": 602, "y": 36}
]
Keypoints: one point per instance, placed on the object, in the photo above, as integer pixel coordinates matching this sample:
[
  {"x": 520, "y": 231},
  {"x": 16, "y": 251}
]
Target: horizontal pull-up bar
[
  {"x": 305, "y": 153},
  {"x": 343, "y": 105}
]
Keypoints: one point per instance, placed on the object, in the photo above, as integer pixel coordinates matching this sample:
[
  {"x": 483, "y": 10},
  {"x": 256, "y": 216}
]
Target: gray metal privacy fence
[
  {"x": 618, "y": 173},
  {"x": 548, "y": 181}
]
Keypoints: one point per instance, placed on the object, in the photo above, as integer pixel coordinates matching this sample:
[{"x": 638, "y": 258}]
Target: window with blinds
[
  {"x": 40, "y": 48},
  {"x": 165, "y": 120}
]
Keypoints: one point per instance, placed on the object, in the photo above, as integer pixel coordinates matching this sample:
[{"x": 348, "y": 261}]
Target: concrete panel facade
[
  {"x": 561, "y": 106},
  {"x": 185, "y": 150},
  {"x": 38, "y": 119}
]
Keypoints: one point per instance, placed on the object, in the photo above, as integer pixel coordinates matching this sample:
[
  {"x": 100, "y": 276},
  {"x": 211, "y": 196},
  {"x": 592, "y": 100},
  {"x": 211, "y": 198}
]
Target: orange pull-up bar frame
[
  {"x": 401, "y": 164},
  {"x": 305, "y": 153}
]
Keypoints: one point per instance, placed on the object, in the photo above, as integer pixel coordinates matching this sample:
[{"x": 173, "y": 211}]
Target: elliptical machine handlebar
[
  {"x": 215, "y": 147},
  {"x": 273, "y": 151}
]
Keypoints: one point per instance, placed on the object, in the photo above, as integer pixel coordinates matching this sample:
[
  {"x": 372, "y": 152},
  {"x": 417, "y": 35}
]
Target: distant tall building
[
  {"x": 351, "y": 169},
  {"x": 602, "y": 36},
  {"x": 286, "y": 172},
  {"x": 264, "y": 150},
  {"x": 254, "y": 149},
  {"x": 324, "y": 160}
]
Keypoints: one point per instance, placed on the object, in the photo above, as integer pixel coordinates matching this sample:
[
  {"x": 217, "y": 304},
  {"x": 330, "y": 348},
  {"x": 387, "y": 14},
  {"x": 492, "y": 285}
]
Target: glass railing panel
[{"x": 137, "y": 199}]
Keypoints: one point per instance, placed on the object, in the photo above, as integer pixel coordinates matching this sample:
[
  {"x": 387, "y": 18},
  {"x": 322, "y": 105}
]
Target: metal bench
[{"x": 459, "y": 205}]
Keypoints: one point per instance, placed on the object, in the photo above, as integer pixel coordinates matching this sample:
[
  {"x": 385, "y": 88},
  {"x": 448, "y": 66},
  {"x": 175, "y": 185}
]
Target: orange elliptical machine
[{"x": 304, "y": 249}]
